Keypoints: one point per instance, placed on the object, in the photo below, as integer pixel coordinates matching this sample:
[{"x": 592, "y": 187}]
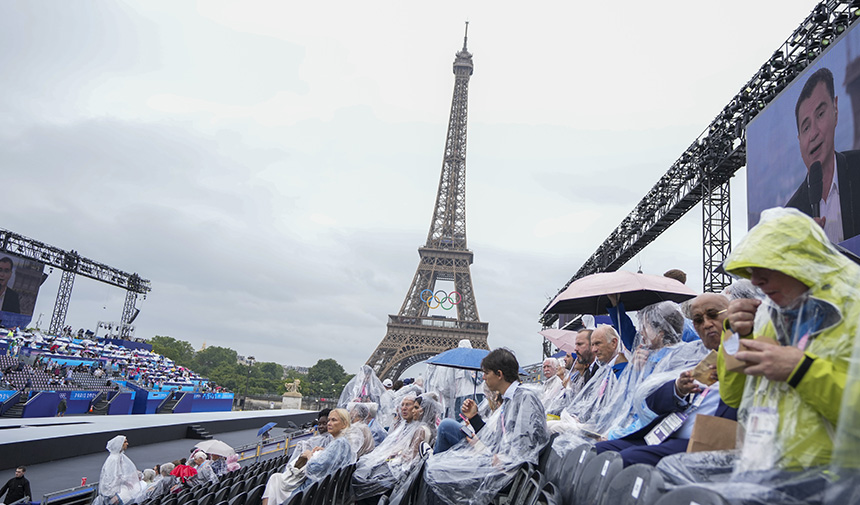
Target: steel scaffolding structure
[
  {"x": 72, "y": 264},
  {"x": 703, "y": 170}
]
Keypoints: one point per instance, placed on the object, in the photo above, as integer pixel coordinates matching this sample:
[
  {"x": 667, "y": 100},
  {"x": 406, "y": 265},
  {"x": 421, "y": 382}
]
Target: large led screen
[
  {"x": 803, "y": 150},
  {"x": 19, "y": 286}
]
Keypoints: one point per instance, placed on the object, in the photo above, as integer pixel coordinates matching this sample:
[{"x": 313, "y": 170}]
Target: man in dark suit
[
  {"x": 8, "y": 296},
  {"x": 682, "y": 398},
  {"x": 830, "y": 193}
]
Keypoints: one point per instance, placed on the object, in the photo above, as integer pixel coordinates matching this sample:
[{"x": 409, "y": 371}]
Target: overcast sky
[{"x": 271, "y": 167}]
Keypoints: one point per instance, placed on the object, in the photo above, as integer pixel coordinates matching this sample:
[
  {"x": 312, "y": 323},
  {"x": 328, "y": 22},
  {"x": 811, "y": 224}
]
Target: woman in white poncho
[
  {"x": 314, "y": 464},
  {"x": 118, "y": 482}
]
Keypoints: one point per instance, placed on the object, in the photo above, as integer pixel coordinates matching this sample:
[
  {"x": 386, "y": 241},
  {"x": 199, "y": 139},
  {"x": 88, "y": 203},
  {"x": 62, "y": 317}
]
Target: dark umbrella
[{"x": 590, "y": 294}]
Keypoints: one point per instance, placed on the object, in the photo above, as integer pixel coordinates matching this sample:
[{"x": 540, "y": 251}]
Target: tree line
[{"x": 221, "y": 366}]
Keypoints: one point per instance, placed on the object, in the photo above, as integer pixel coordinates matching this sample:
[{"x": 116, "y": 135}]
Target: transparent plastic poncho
[
  {"x": 319, "y": 440},
  {"x": 612, "y": 407},
  {"x": 365, "y": 413},
  {"x": 119, "y": 475},
  {"x": 364, "y": 387},
  {"x": 474, "y": 474},
  {"x": 392, "y": 460},
  {"x": 453, "y": 385},
  {"x": 338, "y": 454}
]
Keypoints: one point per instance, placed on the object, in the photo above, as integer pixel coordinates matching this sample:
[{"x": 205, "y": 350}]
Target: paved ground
[{"x": 67, "y": 473}]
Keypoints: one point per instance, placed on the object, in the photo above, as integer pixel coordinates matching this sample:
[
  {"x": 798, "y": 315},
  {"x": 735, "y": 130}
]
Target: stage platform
[{"x": 39, "y": 440}]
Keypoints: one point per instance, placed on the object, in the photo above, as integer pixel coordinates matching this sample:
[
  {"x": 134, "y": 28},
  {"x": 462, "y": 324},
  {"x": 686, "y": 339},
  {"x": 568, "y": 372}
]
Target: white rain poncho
[
  {"x": 119, "y": 475},
  {"x": 392, "y": 460},
  {"x": 474, "y": 474},
  {"x": 612, "y": 406},
  {"x": 365, "y": 413},
  {"x": 364, "y": 387},
  {"x": 453, "y": 385},
  {"x": 281, "y": 486},
  {"x": 410, "y": 391},
  {"x": 385, "y": 412}
]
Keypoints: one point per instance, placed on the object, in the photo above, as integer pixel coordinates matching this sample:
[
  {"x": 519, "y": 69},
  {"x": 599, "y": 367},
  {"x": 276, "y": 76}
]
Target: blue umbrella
[
  {"x": 266, "y": 428},
  {"x": 460, "y": 357}
]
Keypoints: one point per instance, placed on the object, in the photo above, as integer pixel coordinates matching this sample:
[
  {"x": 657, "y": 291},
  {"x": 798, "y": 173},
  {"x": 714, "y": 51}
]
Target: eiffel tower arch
[{"x": 413, "y": 335}]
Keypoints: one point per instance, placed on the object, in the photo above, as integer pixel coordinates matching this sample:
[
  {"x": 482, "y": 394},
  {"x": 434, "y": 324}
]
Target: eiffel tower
[{"x": 413, "y": 335}]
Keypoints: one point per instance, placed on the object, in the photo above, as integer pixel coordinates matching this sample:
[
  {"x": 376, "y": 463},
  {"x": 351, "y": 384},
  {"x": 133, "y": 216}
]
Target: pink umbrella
[
  {"x": 588, "y": 295},
  {"x": 563, "y": 339}
]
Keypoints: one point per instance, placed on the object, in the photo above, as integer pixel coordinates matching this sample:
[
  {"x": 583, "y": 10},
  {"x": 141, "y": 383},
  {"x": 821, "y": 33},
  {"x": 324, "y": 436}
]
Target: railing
[
  {"x": 273, "y": 445},
  {"x": 11, "y": 402},
  {"x": 439, "y": 322},
  {"x": 81, "y": 495},
  {"x": 164, "y": 402}
]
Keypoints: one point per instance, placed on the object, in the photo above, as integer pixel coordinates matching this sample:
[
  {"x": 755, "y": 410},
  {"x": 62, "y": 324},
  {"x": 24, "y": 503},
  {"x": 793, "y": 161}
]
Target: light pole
[{"x": 248, "y": 380}]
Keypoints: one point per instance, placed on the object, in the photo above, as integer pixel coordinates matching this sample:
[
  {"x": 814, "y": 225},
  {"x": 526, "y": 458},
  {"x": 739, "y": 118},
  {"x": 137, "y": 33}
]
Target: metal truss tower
[
  {"x": 413, "y": 335},
  {"x": 72, "y": 264}
]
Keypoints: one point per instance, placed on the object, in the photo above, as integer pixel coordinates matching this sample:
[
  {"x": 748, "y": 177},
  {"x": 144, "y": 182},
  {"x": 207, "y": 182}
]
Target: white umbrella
[{"x": 215, "y": 447}]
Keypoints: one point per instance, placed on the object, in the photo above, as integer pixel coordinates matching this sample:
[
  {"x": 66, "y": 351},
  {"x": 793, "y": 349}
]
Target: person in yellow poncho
[{"x": 790, "y": 395}]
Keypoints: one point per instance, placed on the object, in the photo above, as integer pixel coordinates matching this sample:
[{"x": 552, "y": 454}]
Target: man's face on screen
[
  {"x": 817, "y": 127},
  {"x": 5, "y": 273}
]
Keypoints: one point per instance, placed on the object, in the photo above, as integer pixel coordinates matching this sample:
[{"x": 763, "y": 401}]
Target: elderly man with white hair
[
  {"x": 605, "y": 345},
  {"x": 552, "y": 384}
]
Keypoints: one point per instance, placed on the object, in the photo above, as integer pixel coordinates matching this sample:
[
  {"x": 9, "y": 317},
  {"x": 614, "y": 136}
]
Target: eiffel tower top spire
[{"x": 448, "y": 227}]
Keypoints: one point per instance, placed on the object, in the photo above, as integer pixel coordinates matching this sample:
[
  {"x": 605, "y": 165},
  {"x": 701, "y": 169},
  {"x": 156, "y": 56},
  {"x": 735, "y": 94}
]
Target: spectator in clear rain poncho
[
  {"x": 403, "y": 398},
  {"x": 313, "y": 464},
  {"x": 385, "y": 412},
  {"x": 797, "y": 346},
  {"x": 365, "y": 413},
  {"x": 161, "y": 486},
  {"x": 680, "y": 397},
  {"x": 205, "y": 472},
  {"x": 320, "y": 439},
  {"x": 118, "y": 482},
  {"x": 605, "y": 408},
  {"x": 479, "y": 466},
  {"x": 364, "y": 387},
  {"x": 453, "y": 385},
  {"x": 391, "y": 461},
  {"x": 359, "y": 433}
]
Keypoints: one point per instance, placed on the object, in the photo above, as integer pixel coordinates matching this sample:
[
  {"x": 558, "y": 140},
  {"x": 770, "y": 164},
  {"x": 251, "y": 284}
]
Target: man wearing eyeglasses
[
  {"x": 677, "y": 402},
  {"x": 8, "y": 297}
]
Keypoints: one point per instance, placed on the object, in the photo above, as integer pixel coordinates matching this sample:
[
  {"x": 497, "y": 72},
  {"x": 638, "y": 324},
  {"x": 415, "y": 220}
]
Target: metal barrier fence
[{"x": 274, "y": 445}]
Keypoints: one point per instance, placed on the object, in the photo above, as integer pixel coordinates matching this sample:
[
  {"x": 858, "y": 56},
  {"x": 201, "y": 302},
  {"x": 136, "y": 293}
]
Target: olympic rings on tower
[{"x": 440, "y": 302}]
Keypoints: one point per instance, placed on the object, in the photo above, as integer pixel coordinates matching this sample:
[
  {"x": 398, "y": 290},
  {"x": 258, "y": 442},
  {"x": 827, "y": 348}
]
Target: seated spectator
[
  {"x": 606, "y": 347},
  {"x": 475, "y": 469},
  {"x": 313, "y": 464},
  {"x": 790, "y": 395},
  {"x": 205, "y": 472},
  {"x": 552, "y": 383},
  {"x": 320, "y": 439},
  {"x": 682, "y": 396},
  {"x": 379, "y": 471},
  {"x": 365, "y": 413}
]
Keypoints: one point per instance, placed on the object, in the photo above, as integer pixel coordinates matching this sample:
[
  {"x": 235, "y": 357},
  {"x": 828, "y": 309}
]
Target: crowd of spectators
[
  {"x": 770, "y": 356},
  {"x": 121, "y": 483},
  {"x": 34, "y": 361}
]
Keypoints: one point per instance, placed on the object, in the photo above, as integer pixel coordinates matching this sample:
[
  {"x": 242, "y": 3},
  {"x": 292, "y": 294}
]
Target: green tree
[
  {"x": 179, "y": 351},
  {"x": 326, "y": 377},
  {"x": 213, "y": 357}
]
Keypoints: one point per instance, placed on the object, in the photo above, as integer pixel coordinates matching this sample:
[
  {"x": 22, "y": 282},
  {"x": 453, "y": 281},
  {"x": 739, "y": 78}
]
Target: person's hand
[
  {"x": 741, "y": 314},
  {"x": 469, "y": 408},
  {"x": 820, "y": 220},
  {"x": 561, "y": 373},
  {"x": 308, "y": 453},
  {"x": 640, "y": 356},
  {"x": 613, "y": 299},
  {"x": 685, "y": 384},
  {"x": 775, "y": 362}
]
